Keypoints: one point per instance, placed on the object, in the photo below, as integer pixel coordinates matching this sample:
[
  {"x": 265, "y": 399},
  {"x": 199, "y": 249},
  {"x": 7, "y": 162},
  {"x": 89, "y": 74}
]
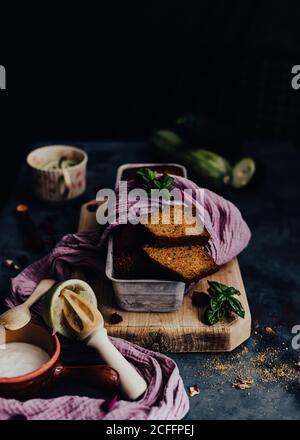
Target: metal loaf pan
[{"x": 143, "y": 295}]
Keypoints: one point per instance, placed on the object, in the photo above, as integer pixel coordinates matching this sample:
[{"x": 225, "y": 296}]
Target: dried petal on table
[
  {"x": 11, "y": 263},
  {"x": 269, "y": 331},
  {"x": 194, "y": 390},
  {"x": 8, "y": 263},
  {"x": 115, "y": 318},
  {"x": 200, "y": 299},
  {"x": 243, "y": 384}
]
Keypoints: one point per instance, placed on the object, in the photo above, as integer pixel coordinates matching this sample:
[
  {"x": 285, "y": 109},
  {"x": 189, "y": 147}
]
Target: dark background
[
  {"x": 120, "y": 71},
  {"x": 79, "y": 74}
]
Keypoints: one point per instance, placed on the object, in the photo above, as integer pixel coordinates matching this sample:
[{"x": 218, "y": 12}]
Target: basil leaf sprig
[
  {"x": 148, "y": 180},
  {"x": 222, "y": 302}
]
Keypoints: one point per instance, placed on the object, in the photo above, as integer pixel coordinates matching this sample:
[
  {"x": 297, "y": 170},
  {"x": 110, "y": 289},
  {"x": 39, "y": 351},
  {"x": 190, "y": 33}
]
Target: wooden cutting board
[{"x": 179, "y": 331}]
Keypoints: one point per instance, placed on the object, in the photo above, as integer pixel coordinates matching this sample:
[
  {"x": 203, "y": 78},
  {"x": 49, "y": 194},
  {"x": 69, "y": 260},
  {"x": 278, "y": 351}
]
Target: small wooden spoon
[
  {"x": 19, "y": 316},
  {"x": 87, "y": 323}
]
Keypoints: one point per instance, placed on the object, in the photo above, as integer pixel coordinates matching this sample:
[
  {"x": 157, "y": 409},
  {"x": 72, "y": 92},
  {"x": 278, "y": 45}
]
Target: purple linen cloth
[
  {"x": 224, "y": 222},
  {"x": 165, "y": 397}
]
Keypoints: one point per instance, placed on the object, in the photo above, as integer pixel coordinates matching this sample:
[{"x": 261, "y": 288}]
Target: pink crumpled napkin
[{"x": 166, "y": 397}]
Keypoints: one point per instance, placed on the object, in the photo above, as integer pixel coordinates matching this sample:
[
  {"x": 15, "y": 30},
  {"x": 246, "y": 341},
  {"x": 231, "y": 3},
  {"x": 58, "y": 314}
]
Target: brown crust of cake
[
  {"x": 180, "y": 241},
  {"x": 169, "y": 235},
  {"x": 161, "y": 256}
]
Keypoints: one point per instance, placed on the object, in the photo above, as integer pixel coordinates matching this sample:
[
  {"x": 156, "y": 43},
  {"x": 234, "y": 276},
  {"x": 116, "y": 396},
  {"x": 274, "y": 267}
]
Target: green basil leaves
[
  {"x": 148, "y": 180},
  {"x": 222, "y": 302}
]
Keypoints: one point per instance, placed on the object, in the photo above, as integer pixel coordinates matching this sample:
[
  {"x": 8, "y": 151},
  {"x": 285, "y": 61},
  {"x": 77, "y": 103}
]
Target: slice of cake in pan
[
  {"x": 177, "y": 232},
  {"x": 188, "y": 263}
]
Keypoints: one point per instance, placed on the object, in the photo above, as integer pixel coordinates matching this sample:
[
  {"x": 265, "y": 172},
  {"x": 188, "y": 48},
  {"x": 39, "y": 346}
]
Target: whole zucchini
[
  {"x": 210, "y": 166},
  {"x": 168, "y": 143}
]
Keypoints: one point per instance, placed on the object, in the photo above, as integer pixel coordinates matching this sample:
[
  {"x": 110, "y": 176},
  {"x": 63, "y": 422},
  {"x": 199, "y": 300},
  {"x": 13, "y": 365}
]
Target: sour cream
[{"x": 18, "y": 358}]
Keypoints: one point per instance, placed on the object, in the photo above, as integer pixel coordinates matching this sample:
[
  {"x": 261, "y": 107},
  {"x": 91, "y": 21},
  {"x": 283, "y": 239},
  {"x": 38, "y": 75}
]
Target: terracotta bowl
[{"x": 39, "y": 382}]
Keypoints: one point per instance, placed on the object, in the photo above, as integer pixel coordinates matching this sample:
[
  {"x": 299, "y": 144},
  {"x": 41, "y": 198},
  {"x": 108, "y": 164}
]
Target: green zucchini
[
  {"x": 167, "y": 142},
  {"x": 211, "y": 166}
]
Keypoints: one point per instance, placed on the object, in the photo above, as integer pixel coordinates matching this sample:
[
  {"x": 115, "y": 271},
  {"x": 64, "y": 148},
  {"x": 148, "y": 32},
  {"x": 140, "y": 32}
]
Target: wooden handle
[
  {"x": 42, "y": 287},
  {"x": 99, "y": 376},
  {"x": 133, "y": 385}
]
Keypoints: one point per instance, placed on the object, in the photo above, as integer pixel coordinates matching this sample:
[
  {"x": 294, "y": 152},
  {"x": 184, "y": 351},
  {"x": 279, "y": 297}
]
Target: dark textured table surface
[{"x": 270, "y": 269}]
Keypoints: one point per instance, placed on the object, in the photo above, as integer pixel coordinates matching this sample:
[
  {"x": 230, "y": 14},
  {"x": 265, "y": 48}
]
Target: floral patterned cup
[{"x": 56, "y": 185}]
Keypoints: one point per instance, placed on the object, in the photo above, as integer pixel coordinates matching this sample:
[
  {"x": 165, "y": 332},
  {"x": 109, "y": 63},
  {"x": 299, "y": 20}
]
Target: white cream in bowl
[{"x": 18, "y": 358}]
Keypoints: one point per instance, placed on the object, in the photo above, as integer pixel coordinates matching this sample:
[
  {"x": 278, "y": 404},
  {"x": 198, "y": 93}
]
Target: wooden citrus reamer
[{"x": 88, "y": 324}]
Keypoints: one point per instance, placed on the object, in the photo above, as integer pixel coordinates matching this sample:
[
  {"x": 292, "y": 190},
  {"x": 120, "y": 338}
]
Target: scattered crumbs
[
  {"x": 243, "y": 384},
  {"x": 266, "y": 363},
  {"x": 115, "y": 318},
  {"x": 194, "y": 390},
  {"x": 218, "y": 365},
  {"x": 271, "y": 367}
]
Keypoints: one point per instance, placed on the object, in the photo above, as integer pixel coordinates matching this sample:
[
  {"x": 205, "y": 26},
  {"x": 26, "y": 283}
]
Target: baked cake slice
[
  {"x": 174, "y": 234},
  {"x": 188, "y": 263}
]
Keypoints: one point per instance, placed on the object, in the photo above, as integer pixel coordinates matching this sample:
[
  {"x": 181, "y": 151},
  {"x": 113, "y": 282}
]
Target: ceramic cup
[
  {"x": 60, "y": 184},
  {"x": 38, "y": 383}
]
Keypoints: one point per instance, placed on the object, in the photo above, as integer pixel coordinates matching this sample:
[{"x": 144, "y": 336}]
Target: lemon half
[{"x": 54, "y": 302}]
